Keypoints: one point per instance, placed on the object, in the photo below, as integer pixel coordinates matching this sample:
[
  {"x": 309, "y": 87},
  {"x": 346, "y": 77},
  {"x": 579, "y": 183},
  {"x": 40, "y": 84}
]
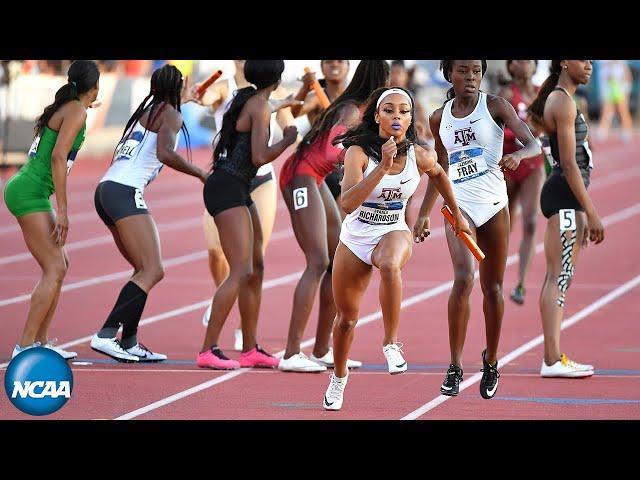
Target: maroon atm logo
[
  {"x": 391, "y": 193},
  {"x": 464, "y": 136}
]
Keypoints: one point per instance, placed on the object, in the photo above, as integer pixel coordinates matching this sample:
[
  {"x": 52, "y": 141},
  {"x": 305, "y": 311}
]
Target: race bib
[
  {"x": 567, "y": 217},
  {"x": 70, "y": 159},
  {"x": 585, "y": 144},
  {"x": 466, "y": 165},
  {"x": 139, "y": 199},
  {"x": 125, "y": 150},
  {"x": 300, "y": 198},
  {"x": 34, "y": 146},
  {"x": 380, "y": 213}
]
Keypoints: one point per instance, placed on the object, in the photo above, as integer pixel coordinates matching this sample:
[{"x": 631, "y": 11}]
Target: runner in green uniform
[{"x": 59, "y": 135}]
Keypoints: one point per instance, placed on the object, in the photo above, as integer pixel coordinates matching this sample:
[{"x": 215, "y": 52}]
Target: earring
[{"x": 565, "y": 67}]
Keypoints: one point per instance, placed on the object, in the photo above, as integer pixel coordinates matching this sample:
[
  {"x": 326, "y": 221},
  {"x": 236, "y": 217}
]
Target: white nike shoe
[
  {"x": 237, "y": 342},
  {"x": 67, "y": 355},
  {"x": 564, "y": 368},
  {"x": 578, "y": 366},
  {"x": 206, "y": 315},
  {"x": 144, "y": 354},
  {"x": 328, "y": 361},
  {"x": 395, "y": 361},
  {"x": 299, "y": 363},
  {"x": 17, "y": 349},
  {"x": 112, "y": 348},
  {"x": 334, "y": 395}
]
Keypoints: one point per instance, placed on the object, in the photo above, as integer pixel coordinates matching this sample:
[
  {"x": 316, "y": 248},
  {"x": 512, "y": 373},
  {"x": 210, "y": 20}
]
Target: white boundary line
[
  {"x": 616, "y": 217},
  {"x": 597, "y": 305}
]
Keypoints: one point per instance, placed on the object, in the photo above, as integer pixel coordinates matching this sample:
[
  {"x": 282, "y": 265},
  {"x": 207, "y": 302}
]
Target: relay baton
[
  {"x": 322, "y": 97},
  {"x": 207, "y": 83},
  {"x": 466, "y": 238}
]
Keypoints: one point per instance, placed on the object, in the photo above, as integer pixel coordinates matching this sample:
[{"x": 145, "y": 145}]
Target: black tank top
[
  {"x": 237, "y": 161},
  {"x": 583, "y": 153}
]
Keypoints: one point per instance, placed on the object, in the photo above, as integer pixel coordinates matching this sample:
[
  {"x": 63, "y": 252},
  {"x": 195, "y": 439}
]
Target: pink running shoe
[
  {"x": 214, "y": 358},
  {"x": 257, "y": 357}
]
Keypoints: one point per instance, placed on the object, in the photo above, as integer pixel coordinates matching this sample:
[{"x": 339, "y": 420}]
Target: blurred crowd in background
[{"x": 611, "y": 98}]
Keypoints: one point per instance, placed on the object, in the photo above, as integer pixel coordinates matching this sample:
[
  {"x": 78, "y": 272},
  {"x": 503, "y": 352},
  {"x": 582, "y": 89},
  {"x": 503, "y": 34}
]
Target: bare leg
[
  {"x": 493, "y": 239},
  {"x": 36, "y": 230},
  {"x": 351, "y": 277},
  {"x": 389, "y": 256}
]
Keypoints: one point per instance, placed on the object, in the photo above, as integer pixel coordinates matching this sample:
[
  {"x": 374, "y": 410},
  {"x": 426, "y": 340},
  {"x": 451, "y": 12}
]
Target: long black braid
[
  {"x": 366, "y": 134},
  {"x": 166, "y": 86}
]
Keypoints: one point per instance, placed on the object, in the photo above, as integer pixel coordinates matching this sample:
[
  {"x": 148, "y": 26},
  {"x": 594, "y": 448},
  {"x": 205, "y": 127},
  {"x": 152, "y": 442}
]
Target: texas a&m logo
[
  {"x": 391, "y": 193},
  {"x": 464, "y": 136}
]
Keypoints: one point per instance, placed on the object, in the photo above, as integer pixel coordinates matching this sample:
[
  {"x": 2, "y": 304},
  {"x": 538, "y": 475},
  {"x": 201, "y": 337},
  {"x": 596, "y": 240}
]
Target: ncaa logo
[{"x": 38, "y": 381}]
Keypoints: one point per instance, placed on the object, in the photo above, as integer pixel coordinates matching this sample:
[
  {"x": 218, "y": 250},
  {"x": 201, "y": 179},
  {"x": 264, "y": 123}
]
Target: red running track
[{"x": 606, "y": 337}]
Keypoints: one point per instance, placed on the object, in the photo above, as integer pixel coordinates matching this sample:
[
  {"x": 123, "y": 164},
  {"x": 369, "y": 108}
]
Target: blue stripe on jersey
[
  {"x": 470, "y": 177},
  {"x": 464, "y": 154},
  {"x": 384, "y": 206}
]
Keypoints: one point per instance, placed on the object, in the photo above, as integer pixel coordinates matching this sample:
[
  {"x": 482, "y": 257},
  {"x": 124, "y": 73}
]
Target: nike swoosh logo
[
  {"x": 492, "y": 392},
  {"x": 474, "y": 121},
  {"x": 496, "y": 203},
  {"x": 327, "y": 403},
  {"x": 400, "y": 366},
  {"x": 402, "y": 183},
  {"x": 445, "y": 388}
]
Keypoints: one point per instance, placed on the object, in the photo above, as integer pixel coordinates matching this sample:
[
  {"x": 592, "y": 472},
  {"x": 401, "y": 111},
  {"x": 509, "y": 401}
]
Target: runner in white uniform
[
  {"x": 383, "y": 164},
  {"x": 468, "y": 130},
  {"x": 149, "y": 141},
  {"x": 382, "y": 211}
]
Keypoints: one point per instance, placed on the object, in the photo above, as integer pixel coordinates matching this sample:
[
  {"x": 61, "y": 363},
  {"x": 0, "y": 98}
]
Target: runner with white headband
[{"x": 383, "y": 164}]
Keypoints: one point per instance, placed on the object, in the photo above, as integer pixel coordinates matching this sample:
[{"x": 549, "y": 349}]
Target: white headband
[{"x": 391, "y": 91}]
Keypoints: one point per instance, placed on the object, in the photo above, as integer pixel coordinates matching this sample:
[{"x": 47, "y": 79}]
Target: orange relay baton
[
  {"x": 322, "y": 97},
  {"x": 446, "y": 211},
  {"x": 207, "y": 83}
]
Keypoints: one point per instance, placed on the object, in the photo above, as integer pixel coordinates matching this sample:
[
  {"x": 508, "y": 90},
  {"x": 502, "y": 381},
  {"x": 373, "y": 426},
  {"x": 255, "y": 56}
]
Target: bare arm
[
  {"x": 213, "y": 96},
  {"x": 431, "y": 195},
  {"x": 310, "y": 101},
  {"x": 503, "y": 110},
  {"x": 355, "y": 188},
  {"x": 261, "y": 152},
  {"x": 165, "y": 149},
  {"x": 427, "y": 163},
  {"x": 72, "y": 121},
  {"x": 348, "y": 115}
]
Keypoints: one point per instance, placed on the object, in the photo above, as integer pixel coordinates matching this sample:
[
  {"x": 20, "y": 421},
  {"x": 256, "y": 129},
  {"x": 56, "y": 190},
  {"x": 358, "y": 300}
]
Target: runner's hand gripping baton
[
  {"x": 446, "y": 211},
  {"x": 207, "y": 83},
  {"x": 322, "y": 97}
]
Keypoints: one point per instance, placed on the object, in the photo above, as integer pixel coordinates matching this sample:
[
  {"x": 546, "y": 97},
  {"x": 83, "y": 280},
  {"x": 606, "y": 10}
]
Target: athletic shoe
[
  {"x": 565, "y": 368},
  {"x": 257, "y": 357},
  {"x": 518, "y": 293},
  {"x": 19, "y": 349},
  {"x": 299, "y": 363},
  {"x": 237, "y": 343},
  {"x": 67, "y": 355},
  {"x": 215, "y": 359},
  {"x": 327, "y": 360},
  {"x": 144, "y": 354},
  {"x": 395, "y": 361},
  {"x": 490, "y": 376},
  {"x": 333, "y": 396},
  {"x": 451, "y": 384},
  {"x": 112, "y": 348}
]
